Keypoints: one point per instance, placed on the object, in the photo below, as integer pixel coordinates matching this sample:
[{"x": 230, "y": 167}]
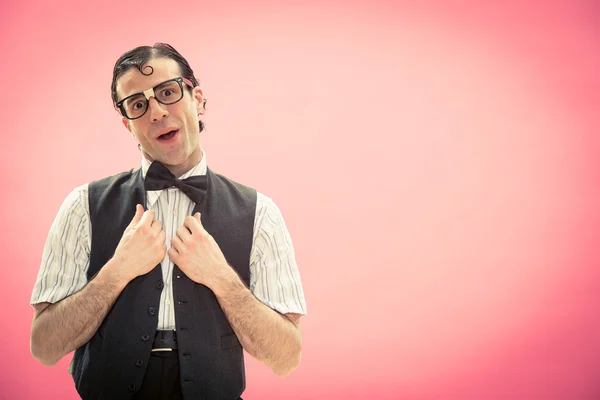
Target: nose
[{"x": 157, "y": 111}]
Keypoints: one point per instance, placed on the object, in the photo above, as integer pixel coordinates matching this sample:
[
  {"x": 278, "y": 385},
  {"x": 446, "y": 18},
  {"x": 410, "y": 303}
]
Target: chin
[{"x": 176, "y": 161}]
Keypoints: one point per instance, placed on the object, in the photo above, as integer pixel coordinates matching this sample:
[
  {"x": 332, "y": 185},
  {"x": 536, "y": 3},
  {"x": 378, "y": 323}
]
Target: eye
[
  {"x": 168, "y": 92},
  {"x": 135, "y": 105}
]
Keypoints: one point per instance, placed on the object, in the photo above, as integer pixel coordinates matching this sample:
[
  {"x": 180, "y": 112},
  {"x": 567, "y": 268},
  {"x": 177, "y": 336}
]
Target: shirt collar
[{"x": 153, "y": 195}]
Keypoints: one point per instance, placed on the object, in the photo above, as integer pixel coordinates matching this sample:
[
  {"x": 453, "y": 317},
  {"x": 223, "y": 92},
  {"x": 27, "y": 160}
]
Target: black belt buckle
[{"x": 164, "y": 340}]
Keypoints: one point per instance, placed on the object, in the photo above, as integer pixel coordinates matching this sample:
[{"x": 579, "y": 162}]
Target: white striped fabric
[{"x": 274, "y": 275}]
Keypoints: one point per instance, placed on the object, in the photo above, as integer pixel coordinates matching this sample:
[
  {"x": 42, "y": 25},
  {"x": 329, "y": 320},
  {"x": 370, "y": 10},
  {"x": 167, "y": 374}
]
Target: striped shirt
[{"x": 274, "y": 275}]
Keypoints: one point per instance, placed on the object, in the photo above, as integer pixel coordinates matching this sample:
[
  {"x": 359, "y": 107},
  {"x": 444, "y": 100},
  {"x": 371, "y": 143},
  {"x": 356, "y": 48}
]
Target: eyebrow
[
  {"x": 143, "y": 93},
  {"x": 133, "y": 96}
]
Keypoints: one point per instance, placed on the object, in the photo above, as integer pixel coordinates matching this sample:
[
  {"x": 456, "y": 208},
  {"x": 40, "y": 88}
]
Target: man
[{"x": 157, "y": 283}]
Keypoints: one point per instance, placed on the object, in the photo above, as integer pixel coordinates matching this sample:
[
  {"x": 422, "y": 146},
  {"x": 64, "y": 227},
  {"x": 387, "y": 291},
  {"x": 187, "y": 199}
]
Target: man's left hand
[{"x": 197, "y": 253}]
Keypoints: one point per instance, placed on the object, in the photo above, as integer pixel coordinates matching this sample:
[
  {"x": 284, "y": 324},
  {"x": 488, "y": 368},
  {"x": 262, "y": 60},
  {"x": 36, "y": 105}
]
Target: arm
[
  {"x": 270, "y": 337},
  {"x": 57, "y": 329},
  {"x": 60, "y": 328}
]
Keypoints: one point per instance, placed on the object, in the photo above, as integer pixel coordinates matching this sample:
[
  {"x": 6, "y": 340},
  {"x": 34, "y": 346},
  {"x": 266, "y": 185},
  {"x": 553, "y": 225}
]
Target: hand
[
  {"x": 197, "y": 253},
  {"x": 142, "y": 245}
]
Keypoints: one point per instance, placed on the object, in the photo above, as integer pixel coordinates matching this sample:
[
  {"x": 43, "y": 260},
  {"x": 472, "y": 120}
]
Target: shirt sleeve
[
  {"x": 274, "y": 276},
  {"x": 66, "y": 254}
]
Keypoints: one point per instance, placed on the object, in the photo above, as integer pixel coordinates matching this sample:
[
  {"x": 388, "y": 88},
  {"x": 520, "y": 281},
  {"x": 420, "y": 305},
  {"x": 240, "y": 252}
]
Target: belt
[{"x": 164, "y": 341}]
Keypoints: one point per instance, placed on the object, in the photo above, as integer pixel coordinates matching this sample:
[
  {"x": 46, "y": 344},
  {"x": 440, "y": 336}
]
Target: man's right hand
[
  {"x": 142, "y": 245},
  {"x": 68, "y": 324}
]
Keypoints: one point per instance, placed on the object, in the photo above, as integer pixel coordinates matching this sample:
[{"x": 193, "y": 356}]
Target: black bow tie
[{"x": 159, "y": 177}]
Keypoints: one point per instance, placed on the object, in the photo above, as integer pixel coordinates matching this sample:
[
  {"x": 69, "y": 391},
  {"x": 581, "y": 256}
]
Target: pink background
[{"x": 436, "y": 166}]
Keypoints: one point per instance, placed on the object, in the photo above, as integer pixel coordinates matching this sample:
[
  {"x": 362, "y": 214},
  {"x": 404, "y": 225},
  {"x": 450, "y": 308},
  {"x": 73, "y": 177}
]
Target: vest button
[
  {"x": 151, "y": 311},
  {"x": 178, "y": 276},
  {"x": 132, "y": 387},
  {"x": 145, "y": 337},
  {"x": 160, "y": 285},
  {"x": 139, "y": 363}
]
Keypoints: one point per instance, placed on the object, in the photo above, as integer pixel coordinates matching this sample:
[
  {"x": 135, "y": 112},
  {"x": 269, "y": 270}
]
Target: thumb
[
  {"x": 197, "y": 216},
  {"x": 139, "y": 211}
]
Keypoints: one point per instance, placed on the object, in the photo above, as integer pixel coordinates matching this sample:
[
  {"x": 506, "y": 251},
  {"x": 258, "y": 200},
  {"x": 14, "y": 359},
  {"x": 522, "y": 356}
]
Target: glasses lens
[
  {"x": 135, "y": 106},
  {"x": 169, "y": 92},
  {"x": 166, "y": 93}
]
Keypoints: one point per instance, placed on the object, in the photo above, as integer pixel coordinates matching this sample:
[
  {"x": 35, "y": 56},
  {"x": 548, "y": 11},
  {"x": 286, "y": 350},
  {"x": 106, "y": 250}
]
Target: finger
[
  {"x": 173, "y": 254},
  {"x": 139, "y": 211},
  {"x": 184, "y": 233},
  {"x": 156, "y": 226},
  {"x": 162, "y": 236},
  {"x": 192, "y": 224},
  {"x": 198, "y": 217},
  {"x": 147, "y": 218},
  {"x": 177, "y": 243}
]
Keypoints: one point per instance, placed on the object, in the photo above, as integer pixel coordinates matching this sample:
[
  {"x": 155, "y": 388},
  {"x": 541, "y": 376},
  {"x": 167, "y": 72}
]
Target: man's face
[{"x": 167, "y": 133}]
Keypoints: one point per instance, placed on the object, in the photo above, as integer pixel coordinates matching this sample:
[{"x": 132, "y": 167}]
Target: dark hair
[{"x": 139, "y": 57}]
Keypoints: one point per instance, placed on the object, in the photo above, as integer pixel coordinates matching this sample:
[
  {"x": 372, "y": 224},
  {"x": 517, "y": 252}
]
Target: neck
[{"x": 182, "y": 168}]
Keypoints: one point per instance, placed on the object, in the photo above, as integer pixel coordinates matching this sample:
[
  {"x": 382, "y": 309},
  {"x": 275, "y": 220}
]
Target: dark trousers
[{"x": 161, "y": 381}]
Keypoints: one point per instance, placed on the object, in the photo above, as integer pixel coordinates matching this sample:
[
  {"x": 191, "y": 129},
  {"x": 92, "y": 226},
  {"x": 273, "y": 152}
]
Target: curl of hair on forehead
[{"x": 143, "y": 68}]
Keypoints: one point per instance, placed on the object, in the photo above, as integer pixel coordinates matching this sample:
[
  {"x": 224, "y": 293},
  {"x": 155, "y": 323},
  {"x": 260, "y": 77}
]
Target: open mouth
[{"x": 168, "y": 136}]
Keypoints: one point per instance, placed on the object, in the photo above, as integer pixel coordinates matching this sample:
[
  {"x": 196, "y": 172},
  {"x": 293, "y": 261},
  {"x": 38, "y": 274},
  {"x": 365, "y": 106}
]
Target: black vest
[{"x": 112, "y": 364}]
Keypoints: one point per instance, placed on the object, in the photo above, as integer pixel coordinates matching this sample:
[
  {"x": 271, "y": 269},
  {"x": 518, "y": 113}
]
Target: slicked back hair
[{"x": 139, "y": 58}]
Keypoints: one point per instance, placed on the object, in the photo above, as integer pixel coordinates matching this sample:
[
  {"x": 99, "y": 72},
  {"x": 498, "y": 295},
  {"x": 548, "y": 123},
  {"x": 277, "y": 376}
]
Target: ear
[
  {"x": 199, "y": 100},
  {"x": 126, "y": 123}
]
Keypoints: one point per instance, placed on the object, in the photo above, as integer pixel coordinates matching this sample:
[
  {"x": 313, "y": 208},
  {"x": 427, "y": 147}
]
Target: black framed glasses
[{"x": 168, "y": 92}]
